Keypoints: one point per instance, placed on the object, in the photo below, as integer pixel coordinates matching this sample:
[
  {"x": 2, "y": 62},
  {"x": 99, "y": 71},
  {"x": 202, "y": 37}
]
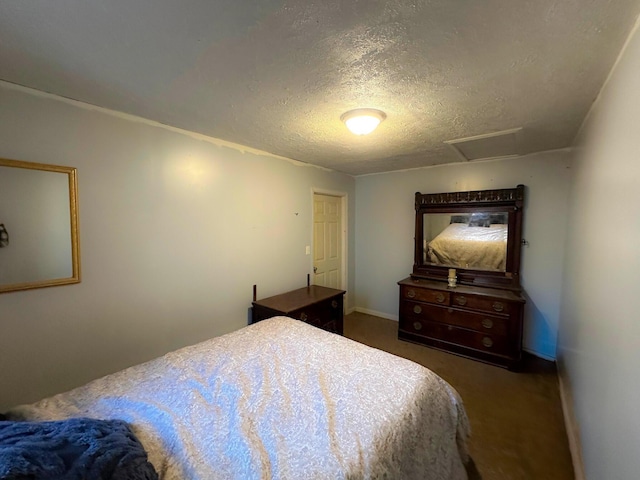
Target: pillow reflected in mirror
[{"x": 480, "y": 220}]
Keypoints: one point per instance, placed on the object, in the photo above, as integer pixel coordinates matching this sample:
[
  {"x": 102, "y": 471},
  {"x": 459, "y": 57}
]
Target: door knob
[{"x": 315, "y": 269}]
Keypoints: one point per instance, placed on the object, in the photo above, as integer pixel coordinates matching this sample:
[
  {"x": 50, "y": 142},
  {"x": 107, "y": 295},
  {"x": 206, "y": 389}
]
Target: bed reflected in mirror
[
  {"x": 475, "y": 240},
  {"x": 39, "y": 233},
  {"x": 477, "y": 232}
]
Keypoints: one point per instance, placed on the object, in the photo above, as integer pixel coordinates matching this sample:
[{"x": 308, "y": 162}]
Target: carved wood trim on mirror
[{"x": 492, "y": 215}]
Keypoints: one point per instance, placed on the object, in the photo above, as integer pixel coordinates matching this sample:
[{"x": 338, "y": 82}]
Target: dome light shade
[{"x": 363, "y": 121}]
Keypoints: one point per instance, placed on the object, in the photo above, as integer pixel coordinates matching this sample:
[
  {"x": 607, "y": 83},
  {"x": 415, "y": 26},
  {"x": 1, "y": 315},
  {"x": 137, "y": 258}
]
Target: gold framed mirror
[{"x": 39, "y": 245}]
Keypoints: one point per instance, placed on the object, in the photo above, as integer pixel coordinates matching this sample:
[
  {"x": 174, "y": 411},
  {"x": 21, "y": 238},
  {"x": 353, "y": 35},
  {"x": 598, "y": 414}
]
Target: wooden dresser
[
  {"x": 315, "y": 305},
  {"x": 477, "y": 322}
]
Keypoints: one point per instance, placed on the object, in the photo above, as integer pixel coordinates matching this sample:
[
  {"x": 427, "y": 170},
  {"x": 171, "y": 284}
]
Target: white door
[{"x": 327, "y": 240}]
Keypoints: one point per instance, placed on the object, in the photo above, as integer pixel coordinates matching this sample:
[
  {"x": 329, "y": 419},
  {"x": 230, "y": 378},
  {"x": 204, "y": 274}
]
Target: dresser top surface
[
  {"x": 302, "y": 297},
  {"x": 463, "y": 289}
]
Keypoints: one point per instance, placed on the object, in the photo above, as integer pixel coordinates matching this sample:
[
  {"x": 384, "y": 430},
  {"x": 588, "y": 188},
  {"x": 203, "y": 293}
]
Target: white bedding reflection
[{"x": 459, "y": 245}]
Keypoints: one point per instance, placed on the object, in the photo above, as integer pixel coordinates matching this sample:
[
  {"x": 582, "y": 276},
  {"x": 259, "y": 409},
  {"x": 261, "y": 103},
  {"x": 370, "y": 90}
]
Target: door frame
[{"x": 344, "y": 204}]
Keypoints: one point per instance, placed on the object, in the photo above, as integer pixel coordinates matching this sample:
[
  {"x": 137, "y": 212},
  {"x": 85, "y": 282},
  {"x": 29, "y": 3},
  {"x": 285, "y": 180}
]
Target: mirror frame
[
  {"x": 509, "y": 200},
  {"x": 73, "y": 222}
]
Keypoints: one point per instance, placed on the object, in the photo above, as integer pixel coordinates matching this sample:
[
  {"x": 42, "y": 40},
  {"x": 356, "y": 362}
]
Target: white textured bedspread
[{"x": 280, "y": 400}]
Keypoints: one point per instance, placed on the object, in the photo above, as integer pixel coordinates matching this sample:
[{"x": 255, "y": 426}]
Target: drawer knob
[
  {"x": 487, "y": 323},
  {"x": 334, "y": 303},
  {"x": 411, "y": 293},
  {"x": 417, "y": 326},
  {"x": 440, "y": 298},
  {"x": 461, "y": 300},
  {"x": 304, "y": 317},
  {"x": 487, "y": 342},
  {"x": 417, "y": 309},
  {"x": 498, "y": 306}
]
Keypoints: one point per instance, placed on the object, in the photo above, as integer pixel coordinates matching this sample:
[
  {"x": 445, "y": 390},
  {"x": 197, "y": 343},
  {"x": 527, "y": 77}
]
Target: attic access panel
[{"x": 505, "y": 143}]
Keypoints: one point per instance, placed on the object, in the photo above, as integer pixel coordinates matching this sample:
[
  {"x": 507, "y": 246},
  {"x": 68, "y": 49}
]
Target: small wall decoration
[{"x": 4, "y": 236}]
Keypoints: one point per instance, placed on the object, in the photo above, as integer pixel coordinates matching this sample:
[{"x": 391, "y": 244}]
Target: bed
[
  {"x": 279, "y": 399},
  {"x": 465, "y": 246}
]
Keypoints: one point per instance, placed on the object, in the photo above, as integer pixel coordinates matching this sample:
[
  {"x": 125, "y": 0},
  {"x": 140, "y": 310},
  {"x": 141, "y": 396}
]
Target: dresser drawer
[
  {"x": 478, "y": 321},
  {"x": 473, "y": 302},
  {"x": 331, "y": 326},
  {"x": 424, "y": 295},
  {"x": 486, "y": 342},
  {"x": 326, "y": 314}
]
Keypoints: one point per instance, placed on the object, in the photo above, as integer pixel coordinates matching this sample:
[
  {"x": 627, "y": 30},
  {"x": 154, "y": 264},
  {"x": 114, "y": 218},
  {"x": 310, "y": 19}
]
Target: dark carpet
[{"x": 517, "y": 425}]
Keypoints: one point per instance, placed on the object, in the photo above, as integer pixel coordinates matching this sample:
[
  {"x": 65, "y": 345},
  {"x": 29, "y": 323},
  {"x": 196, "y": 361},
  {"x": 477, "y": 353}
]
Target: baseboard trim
[
  {"x": 570, "y": 422},
  {"x": 376, "y": 313},
  {"x": 541, "y": 355}
]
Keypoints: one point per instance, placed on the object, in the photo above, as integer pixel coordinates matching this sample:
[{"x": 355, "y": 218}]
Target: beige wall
[
  {"x": 599, "y": 339},
  {"x": 385, "y": 230},
  {"x": 174, "y": 231}
]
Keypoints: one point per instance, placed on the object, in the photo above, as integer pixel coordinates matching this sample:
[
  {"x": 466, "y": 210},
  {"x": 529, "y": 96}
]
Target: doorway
[{"x": 329, "y": 235}]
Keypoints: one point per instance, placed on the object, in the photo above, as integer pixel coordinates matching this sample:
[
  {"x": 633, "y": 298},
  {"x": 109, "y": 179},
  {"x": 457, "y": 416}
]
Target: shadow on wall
[{"x": 539, "y": 337}]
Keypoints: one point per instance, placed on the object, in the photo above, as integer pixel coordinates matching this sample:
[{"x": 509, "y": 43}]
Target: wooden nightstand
[{"x": 318, "y": 306}]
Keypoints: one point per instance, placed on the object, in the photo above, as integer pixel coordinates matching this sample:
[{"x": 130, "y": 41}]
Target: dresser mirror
[
  {"x": 475, "y": 240},
  {"x": 477, "y": 233},
  {"x": 38, "y": 226}
]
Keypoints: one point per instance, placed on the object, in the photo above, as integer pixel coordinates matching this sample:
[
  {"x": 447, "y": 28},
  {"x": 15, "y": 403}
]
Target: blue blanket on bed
[{"x": 74, "y": 449}]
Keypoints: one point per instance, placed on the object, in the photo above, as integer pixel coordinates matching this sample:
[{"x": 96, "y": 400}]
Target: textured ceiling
[{"x": 277, "y": 75}]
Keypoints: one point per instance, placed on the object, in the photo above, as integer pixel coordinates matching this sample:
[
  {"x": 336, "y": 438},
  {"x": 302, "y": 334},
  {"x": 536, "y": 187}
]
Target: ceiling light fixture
[{"x": 363, "y": 121}]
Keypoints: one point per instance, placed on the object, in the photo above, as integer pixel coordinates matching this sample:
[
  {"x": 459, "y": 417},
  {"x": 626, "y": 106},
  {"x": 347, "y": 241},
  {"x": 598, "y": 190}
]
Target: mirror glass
[
  {"x": 475, "y": 240},
  {"x": 38, "y": 226}
]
